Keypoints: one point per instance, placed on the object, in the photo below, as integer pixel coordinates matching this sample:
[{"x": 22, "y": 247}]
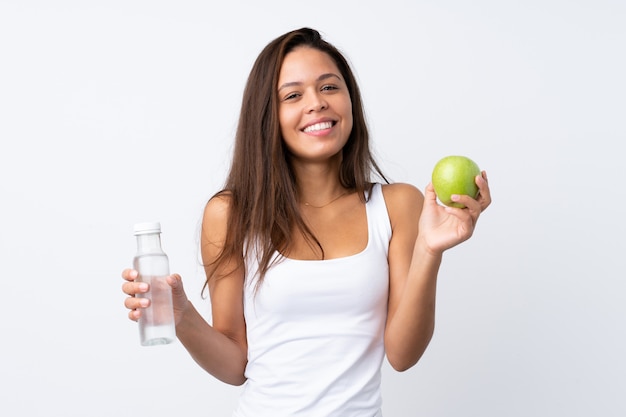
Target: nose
[{"x": 316, "y": 103}]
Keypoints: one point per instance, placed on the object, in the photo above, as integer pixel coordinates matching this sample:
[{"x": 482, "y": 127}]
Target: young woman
[{"x": 315, "y": 271}]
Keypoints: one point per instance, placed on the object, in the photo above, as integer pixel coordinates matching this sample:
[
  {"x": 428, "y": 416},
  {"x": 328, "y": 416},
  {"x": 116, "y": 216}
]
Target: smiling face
[{"x": 315, "y": 111}]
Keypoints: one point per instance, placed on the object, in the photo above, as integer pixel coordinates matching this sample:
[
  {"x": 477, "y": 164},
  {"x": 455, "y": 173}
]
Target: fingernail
[
  {"x": 454, "y": 197},
  {"x": 143, "y": 287},
  {"x": 144, "y": 302}
]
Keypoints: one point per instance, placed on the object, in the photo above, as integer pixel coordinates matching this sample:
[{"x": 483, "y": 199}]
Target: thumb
[
  {"x": 176, "y": 282},
  {"x": 429, "y": 194}
]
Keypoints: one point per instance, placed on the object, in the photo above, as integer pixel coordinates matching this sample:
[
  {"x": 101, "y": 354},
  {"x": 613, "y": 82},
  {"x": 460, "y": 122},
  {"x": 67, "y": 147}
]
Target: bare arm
[
  {"x": 220, "y": 348},
  {"x": 422, "y": 231},
  {"x": 412, "y": 282}
]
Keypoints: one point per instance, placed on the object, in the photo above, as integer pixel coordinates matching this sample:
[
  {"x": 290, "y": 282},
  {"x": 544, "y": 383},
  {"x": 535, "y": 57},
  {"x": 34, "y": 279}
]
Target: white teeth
[{"x": 319, "y": 126}]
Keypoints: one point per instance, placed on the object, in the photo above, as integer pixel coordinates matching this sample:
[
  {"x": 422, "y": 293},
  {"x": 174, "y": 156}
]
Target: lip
[{"x": 320, "y": 120}]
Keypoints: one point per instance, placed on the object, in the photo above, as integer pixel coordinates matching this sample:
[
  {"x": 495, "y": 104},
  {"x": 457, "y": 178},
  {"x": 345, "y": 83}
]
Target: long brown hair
[{"x": 261, "y": 183}]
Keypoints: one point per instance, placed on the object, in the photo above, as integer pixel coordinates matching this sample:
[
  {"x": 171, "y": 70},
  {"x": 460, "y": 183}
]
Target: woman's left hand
[{"x": 442, "y": 227}]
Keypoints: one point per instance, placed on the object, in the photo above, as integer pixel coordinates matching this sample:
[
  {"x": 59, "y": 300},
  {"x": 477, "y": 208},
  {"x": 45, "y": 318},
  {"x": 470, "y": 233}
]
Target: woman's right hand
[{"x": 136, "y": 304}]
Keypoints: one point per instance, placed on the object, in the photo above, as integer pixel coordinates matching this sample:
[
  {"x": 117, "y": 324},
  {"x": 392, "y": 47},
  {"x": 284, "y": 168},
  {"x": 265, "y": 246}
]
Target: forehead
[{"x": 304, "y": 62}]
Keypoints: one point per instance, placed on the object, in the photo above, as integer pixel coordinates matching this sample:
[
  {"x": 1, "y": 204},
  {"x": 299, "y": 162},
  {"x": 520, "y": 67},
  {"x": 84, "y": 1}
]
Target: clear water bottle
[{"x": 156, "y": 324}]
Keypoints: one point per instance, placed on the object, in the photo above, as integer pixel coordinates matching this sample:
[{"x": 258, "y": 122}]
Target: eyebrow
[{"x": 320, "y": 78}]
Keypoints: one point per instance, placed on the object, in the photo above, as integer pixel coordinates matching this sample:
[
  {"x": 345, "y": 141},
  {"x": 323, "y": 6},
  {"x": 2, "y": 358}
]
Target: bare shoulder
[
  {"x": 402, "y": 200},
  {"x": 217, "y": 211},
  {"x": 218, "y": 207},
  {"x": 215, "y": 218},
  {"x": 401, "y": 190}
]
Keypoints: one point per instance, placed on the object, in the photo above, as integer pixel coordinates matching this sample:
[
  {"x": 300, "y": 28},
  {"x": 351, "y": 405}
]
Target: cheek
[
  {"x": 348, "y": 120},
  {"x": 346, "y": 110},
  {"x": 287, "y": 120}
]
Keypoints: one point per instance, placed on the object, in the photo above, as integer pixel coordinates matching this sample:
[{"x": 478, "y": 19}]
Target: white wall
[{"x": 114, "y": 112}]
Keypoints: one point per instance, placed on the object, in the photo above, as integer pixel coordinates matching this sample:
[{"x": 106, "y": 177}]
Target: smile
[{"x": 318, "y": 126}]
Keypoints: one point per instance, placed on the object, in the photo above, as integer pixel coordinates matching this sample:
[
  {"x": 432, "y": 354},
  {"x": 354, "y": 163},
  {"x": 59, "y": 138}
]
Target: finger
[
  {"x": 484, "y": 192},
  {"x": 471, "y": 211},
  {"x": 175, "y": 280},
  {"x": 132, "y": 288},
  {"x": 133, "y": 303},
  {"x": 470, "y": 203},
  {"x": 176, "y": 283},
  {"x": 430, "y": 196},
  {"x": 134, "y": 315},
  {"x": 129, "y": 274}
]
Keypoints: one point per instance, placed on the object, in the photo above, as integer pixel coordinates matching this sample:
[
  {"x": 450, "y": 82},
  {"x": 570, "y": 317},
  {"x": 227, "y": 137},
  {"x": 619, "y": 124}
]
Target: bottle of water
[{"x": 156, "y": 324}]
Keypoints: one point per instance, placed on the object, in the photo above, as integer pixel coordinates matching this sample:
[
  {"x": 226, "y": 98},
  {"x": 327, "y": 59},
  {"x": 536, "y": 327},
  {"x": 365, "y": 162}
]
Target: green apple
[{"x": 455, "y": 174}]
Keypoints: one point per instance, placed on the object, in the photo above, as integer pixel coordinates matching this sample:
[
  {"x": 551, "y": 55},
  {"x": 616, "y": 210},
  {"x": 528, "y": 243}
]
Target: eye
[
  {"x": 329, "y": 87},
  {"x": 291, "y": 96}
]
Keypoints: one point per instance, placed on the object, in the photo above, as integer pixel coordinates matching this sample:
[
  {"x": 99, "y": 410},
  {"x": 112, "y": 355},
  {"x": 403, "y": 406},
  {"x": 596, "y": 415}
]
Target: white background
[{"x": 114, "y": 112}]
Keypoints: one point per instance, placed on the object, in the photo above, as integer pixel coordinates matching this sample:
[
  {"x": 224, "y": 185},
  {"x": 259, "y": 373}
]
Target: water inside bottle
[{"x": 156, "y": 323}]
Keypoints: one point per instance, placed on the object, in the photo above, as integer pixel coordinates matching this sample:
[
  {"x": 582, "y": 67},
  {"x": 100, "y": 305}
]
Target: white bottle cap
[{"x": 146, "y": 228}]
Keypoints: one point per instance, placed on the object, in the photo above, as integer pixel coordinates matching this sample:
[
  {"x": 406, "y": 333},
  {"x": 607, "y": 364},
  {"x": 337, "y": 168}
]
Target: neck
[{"x": 318, "y": 183}]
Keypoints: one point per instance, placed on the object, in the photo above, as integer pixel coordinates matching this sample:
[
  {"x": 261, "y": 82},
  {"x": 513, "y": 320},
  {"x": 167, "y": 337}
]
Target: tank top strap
[{"x": 378, "y": 219}]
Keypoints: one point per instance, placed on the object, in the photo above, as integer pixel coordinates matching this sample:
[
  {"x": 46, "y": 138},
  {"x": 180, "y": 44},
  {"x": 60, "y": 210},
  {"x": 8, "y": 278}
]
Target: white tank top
[{"x": 315, "y": 331}]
